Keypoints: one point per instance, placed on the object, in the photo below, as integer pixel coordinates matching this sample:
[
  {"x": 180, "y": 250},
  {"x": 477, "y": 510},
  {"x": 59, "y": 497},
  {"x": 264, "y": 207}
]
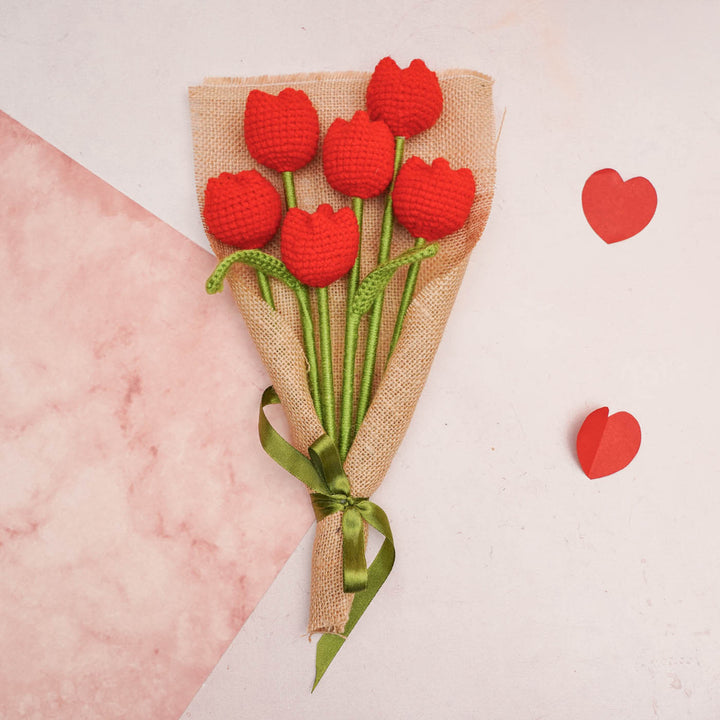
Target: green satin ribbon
[{"x": 323, "y": 474}]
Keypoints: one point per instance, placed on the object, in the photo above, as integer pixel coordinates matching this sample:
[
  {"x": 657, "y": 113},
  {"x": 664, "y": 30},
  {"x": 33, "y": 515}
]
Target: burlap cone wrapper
[{"x": 465, "y": 136}]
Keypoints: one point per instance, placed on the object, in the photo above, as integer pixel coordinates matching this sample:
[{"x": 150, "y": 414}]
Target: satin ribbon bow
[
  {"x": 323, "y": 474},
  {"x": 336, "y": 497}
]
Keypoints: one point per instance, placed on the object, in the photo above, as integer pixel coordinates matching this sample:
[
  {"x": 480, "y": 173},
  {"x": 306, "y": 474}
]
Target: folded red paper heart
[{"x": 607, "y": 443}]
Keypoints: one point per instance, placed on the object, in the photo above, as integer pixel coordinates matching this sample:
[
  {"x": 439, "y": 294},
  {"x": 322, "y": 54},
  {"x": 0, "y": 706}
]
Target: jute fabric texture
[{"x": 465, "y": 135}]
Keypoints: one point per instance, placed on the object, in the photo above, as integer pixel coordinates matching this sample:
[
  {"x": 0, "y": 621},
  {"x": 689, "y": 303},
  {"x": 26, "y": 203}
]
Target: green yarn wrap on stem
[
  {"x": 327, "y": 390},
  {"x": 408, "y": 290},
  {"x": 351, "y": 341},
  {"x": 376, "y": 316}
]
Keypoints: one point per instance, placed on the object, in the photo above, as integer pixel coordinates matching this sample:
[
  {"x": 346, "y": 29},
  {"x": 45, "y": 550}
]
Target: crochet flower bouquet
[{"x": 343, "y": 209}]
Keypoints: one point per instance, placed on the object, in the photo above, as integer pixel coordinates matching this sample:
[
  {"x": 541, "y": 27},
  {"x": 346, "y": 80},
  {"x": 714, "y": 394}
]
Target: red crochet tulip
[
  {"x": 321, "y": 247},
  {"x": 243, "y": 210},
  {"x": 432, "y": 201},
  {"x": 281, "y": 131},
  {"x": 358, "y": 156},
  {"x": 408, "y": 100}
]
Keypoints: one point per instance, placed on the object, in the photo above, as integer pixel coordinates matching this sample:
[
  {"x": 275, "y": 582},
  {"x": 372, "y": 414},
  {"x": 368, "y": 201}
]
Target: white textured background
[{"x": 522, "y": 591}]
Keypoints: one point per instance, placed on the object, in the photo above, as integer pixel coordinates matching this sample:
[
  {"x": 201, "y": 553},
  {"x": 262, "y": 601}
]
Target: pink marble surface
[{"x": 140, "y": 522}]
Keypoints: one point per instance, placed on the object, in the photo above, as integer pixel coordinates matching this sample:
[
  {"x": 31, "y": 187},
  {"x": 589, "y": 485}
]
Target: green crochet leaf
[
  {"x": 257, "y": 259},
  {"x": 377, "y": 280}
]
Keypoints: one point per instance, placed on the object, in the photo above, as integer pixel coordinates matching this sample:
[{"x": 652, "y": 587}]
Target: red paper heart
[
  {"x": 607, "y": 443},
  {"x": 617, "y": 210}
]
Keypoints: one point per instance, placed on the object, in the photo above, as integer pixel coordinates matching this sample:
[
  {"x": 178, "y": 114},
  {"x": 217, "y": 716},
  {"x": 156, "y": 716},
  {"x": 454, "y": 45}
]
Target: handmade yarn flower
[
  {"x": 358, "y": 156},
  {"x": 242, "y": 210},
  {"x": 409, "y": 100},
  {"x": 281, "y": 131},
  {"x": 432, "y": 201},
  {"x": 319, "y": 248}
]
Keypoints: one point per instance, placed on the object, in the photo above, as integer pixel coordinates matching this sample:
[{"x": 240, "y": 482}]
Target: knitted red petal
[
  {"x": 321, "y": 247},
  {"x": 408, "y": 100},
  {"x": 281, "y": 132},
  {"x": 358, "y": 156},
  {"x": 243, "y": 210},
  {"x": 432, "y": 201}
]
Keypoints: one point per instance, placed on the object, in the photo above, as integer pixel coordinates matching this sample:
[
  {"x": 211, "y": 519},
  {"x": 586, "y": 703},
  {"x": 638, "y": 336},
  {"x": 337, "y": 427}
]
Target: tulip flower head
[
  {"x": 242, "y": 210},
  {"x": 409, "y": 100},
  {"x": 281, "y": 131},
  {"x": 358, "y": 156},
  {"x": 319, "y": 248},
  {"x": 432, "y": 201}
]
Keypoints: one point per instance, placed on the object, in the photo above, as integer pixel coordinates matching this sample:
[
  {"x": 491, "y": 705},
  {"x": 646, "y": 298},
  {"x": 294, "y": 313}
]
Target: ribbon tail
[
  {"x": 355, "y": 572},
  {"x": 282, "y": 452},
  {"x": 329, "y": 645},
  {"x": 327, "y": 648}
]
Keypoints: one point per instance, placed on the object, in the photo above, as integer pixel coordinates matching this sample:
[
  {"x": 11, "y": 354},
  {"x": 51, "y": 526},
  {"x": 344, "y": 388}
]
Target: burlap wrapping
[{"x": 464, "y": 135}]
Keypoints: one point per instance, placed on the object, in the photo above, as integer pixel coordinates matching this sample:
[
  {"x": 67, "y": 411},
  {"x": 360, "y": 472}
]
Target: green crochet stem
[
  {"x": 265, "y": 289},
  {"x": 346, "y": 402},
  {"x": 352, "y": 324},
  {"x": 327, "y": 391},
  {"x": 306, "y": 318},
  {"x": 303, "y": 300},
  {"x": 354, "y": 277},
  {"x": 291, "y": 201},
  {"x": 376, "y": 316},
  {"x": 289, "y": 186},
  {"x": 408, "y": 290}
]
